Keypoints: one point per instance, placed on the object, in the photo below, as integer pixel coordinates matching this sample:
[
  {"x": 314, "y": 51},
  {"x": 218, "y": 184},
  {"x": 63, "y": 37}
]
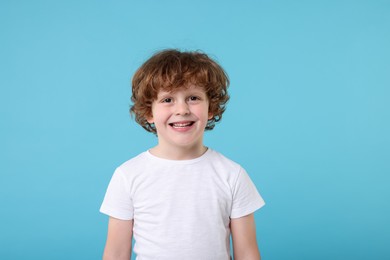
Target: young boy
[{"x": 180, "y": 199}]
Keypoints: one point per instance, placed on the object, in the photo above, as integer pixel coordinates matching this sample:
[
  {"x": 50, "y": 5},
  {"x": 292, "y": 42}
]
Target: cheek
[
  {"x": 161, "y": 116},
  {"x": 203, "y": 112}
]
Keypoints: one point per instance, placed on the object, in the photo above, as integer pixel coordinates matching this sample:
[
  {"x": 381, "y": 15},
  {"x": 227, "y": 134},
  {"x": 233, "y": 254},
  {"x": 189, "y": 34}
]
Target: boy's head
[{"x": 170, "y": 70}]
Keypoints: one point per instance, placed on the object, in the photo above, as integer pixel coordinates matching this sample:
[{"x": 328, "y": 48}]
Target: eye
[
  {"x": 166, "y": 100},
  {"x": 194, "y": 98}
]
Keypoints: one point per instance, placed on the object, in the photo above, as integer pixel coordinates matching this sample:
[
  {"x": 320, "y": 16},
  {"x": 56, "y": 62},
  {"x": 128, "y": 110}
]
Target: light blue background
[{"x": 309, "y": 117}]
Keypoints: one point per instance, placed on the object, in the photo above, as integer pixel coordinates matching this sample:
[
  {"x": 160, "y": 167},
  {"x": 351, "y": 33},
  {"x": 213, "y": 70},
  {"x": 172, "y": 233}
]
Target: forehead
[{"x": 185, "y": 90}]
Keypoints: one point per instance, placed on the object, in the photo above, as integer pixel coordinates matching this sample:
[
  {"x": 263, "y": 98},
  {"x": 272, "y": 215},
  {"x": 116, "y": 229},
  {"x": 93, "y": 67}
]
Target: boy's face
[{"x": 180, "y": 117}]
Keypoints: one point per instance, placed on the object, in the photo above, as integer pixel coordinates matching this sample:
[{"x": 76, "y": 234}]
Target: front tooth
[{"x": 181, "y": 125}]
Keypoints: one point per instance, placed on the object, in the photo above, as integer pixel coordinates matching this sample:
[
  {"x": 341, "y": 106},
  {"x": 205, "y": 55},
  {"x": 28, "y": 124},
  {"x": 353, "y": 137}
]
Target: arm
[
  {"x": 244, "y": 238},
  {"x": 119, "y": 235}
]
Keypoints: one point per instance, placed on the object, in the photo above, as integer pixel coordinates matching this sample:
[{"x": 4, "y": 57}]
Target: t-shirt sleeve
[
  {"x": 246, "y": 198},
  {"x": 117, "y": 202}
]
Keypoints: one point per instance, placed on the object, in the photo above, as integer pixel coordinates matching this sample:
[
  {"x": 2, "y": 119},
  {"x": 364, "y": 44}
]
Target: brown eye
[
  {"x": 167, "y": 100},
  {"x": 193, "y": 98}
]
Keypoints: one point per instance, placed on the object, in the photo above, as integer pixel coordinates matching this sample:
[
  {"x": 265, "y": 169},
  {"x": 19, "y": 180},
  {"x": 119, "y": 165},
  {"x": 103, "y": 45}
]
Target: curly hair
[{"x": 172, "y": 69}]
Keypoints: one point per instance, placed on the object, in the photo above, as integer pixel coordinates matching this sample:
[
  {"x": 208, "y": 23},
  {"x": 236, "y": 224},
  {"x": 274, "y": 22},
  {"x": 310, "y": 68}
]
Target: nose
[{"x": 182, "y": 108}]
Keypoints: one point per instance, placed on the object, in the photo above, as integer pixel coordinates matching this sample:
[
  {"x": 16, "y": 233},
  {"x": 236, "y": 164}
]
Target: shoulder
[
  {"x": 217, "y": 156},
  {"x": 135, "y": 164},
  {"x": 221, "y": 161}
]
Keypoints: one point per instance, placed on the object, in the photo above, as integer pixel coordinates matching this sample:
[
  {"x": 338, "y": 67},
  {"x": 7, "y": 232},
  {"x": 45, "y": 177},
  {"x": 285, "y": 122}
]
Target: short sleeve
[
  {"x": 117, "y": 202},
  {"x": 246, "y": 198}
]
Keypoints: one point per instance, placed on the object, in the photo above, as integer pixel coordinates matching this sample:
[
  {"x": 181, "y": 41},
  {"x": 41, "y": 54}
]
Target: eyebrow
[{"x": 189, "y": 91}]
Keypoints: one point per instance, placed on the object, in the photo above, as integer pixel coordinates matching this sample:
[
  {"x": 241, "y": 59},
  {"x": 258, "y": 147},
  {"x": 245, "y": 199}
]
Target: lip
[{"x": 182, "y": 126}]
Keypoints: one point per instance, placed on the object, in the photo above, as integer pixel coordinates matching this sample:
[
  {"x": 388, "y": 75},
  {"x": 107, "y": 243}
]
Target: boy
[{"x": 180, "y": 199}]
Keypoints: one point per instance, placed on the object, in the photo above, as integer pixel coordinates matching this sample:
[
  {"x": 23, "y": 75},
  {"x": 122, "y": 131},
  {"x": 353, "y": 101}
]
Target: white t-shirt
[{"x": 181, "y": 209}]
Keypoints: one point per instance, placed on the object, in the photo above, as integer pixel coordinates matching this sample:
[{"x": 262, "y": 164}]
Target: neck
[{"x": 181, "y": 153}]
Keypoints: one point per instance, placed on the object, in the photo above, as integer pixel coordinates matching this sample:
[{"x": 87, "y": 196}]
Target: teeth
[{"x": 181, "y": 124}]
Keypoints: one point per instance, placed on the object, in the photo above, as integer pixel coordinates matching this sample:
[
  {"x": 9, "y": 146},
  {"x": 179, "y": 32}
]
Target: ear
[
  {"x": 150, "y": 120},
  {"x": 210, "y": 115}
]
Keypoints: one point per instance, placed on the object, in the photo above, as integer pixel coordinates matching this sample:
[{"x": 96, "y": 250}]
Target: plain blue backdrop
[{"x": 309, "y": 117}]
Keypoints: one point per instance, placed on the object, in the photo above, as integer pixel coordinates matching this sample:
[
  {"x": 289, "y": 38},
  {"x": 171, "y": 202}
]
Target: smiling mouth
[{"x": 182, "y": 124}]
